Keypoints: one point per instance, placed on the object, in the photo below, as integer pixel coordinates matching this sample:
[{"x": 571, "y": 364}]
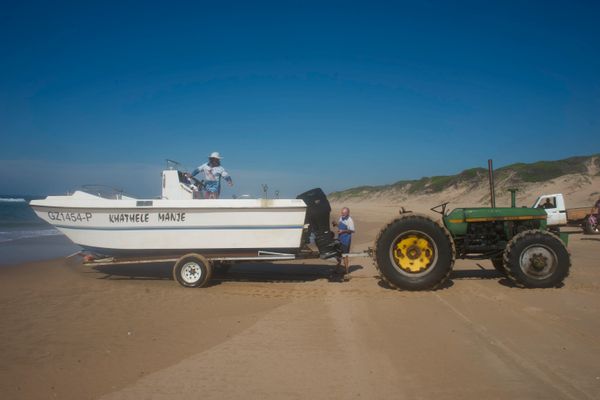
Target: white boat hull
[{"x": 129, "y": 226}]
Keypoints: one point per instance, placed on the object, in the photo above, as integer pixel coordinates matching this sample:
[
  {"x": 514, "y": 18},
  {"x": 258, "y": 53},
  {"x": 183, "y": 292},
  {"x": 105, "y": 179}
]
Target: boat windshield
[{"x": 104, "y": 191}]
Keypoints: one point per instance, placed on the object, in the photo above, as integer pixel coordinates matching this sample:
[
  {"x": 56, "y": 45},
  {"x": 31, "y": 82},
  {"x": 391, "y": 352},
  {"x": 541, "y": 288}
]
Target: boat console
[{"x": 177, "y": 186}]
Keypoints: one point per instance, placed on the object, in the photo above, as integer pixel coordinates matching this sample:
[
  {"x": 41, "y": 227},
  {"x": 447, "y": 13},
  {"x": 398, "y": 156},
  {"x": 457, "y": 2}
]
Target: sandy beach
[{"x": 290, "y": 331}]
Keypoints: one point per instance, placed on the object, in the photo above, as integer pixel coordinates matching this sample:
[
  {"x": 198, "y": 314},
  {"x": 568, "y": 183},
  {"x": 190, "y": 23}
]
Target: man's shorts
[
  {"x": 211, "y": 186},
  {"x": 346, "y": 247}
]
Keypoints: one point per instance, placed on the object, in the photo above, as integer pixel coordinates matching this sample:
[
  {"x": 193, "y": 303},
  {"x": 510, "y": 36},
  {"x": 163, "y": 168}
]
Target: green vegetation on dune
[
  {"x": 472, "y": 173},
  {"x": 432, "y": 184},
  {"x": 357, "y": 191},
  {"x": 520, "y": 172},
  {"x": 545, "y": 170}
]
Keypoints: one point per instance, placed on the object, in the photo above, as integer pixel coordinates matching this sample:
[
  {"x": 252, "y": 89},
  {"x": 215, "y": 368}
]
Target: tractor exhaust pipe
[
  {"x": 513, "y": 197},
  {"x": 491, "y": 177}
]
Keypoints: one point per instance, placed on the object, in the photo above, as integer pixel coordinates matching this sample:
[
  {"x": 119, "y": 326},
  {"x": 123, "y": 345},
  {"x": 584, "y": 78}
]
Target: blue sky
[{"x": 293, "y": 94}]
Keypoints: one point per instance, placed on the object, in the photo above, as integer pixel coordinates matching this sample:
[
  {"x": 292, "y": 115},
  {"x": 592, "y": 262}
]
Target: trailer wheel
[
  {"x": 537, "y": 259},
  {"x": 192, "y": 270},
  {"x": 498, "y": 264},
  {"x": 414, "y": 253}
]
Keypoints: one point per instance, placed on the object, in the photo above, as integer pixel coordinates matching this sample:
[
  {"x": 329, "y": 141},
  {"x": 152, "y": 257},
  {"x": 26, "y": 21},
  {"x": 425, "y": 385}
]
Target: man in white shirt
[
  {"x": 346, "y": 228},
  {"x": 213, "y": 172}
]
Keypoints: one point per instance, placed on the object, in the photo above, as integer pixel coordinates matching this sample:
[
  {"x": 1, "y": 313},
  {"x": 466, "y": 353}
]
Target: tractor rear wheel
[
  {"x": 537, "y": 259},
  {"x": 414, "y": 252}
]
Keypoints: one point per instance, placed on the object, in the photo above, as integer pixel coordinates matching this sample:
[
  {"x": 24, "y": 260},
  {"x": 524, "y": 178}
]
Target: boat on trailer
[{"x": 178, "y": 226}]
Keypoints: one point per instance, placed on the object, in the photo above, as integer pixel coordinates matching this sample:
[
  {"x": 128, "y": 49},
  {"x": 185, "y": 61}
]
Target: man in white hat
[{"x": 213, "y": 172}]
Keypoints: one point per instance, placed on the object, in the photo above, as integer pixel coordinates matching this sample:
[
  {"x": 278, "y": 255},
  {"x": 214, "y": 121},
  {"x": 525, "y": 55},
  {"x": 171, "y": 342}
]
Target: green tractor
[{"x": 414, "y": 252}]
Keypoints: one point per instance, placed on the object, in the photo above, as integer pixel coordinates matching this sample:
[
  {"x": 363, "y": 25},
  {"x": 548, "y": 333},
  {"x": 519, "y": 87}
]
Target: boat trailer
[{"x": 195, "y": 270}]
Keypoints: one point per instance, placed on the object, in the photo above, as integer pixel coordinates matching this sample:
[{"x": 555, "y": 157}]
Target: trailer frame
[{"x": 195, "y": 269}]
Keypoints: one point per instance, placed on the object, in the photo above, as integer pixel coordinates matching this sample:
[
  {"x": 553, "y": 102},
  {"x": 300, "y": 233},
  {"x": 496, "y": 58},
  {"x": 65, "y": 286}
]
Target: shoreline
[{"x": 34, "y": 249}]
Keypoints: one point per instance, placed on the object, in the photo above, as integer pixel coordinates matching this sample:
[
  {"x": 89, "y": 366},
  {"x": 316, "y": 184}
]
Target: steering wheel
[
  {"x": 196, "y": 181},
  {"x": 192, "y": 180}
]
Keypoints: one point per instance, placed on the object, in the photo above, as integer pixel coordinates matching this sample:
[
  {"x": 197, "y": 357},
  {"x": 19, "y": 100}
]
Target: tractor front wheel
[
  {"x": 498, "y": 264},
  {"x": 590, "y": 226},
  {"x": 414, "y": 252},
  {"x": 537, "y": 259}
]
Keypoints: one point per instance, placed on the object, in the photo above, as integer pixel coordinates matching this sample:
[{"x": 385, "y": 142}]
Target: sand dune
[{"x": 579, "y": 190}]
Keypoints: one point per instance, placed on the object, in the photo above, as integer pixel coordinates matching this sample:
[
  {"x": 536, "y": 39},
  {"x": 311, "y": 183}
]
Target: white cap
[{"x": 215, "y": 154}]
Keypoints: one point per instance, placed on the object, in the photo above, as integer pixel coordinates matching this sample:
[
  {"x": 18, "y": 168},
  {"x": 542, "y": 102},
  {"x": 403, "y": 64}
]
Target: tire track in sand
[
  {"x": 540, "y": 372},
  {"x": 307, "y": 348}
]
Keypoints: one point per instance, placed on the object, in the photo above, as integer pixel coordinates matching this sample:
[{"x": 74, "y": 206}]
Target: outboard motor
[{"x": 317, "y": 215}]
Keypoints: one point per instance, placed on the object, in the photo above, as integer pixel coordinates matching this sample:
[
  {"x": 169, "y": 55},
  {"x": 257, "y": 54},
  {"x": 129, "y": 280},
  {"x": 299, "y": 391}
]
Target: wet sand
[
  {"x": 290, "y": 331},
  {"x": 35, "y": 249}
]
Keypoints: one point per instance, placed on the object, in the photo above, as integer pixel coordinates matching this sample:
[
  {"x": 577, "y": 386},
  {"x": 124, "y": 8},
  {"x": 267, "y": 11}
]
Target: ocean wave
[
  {"x": 12, "y": 200},
  {"x": 9, "y": 236}
]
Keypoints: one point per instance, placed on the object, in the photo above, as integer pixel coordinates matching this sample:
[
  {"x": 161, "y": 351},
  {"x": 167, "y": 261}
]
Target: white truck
[{"x": 559, "y": 215}]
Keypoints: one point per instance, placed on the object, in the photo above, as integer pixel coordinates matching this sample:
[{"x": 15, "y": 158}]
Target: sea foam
[
  {"x": 11, "y": 200},
  {"x": 9, "y": 236}
]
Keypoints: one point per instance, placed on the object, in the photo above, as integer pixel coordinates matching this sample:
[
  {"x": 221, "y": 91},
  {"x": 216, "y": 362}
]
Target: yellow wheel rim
[{"x": 413, "y": 253}]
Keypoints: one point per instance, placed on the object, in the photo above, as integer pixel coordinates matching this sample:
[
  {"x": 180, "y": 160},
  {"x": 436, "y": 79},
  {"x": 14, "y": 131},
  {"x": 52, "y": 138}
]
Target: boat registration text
[{"x": 117, "y": 218}]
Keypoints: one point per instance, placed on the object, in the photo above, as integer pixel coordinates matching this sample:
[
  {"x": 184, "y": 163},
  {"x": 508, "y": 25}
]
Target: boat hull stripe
[{"x": 171, "y": 228}]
